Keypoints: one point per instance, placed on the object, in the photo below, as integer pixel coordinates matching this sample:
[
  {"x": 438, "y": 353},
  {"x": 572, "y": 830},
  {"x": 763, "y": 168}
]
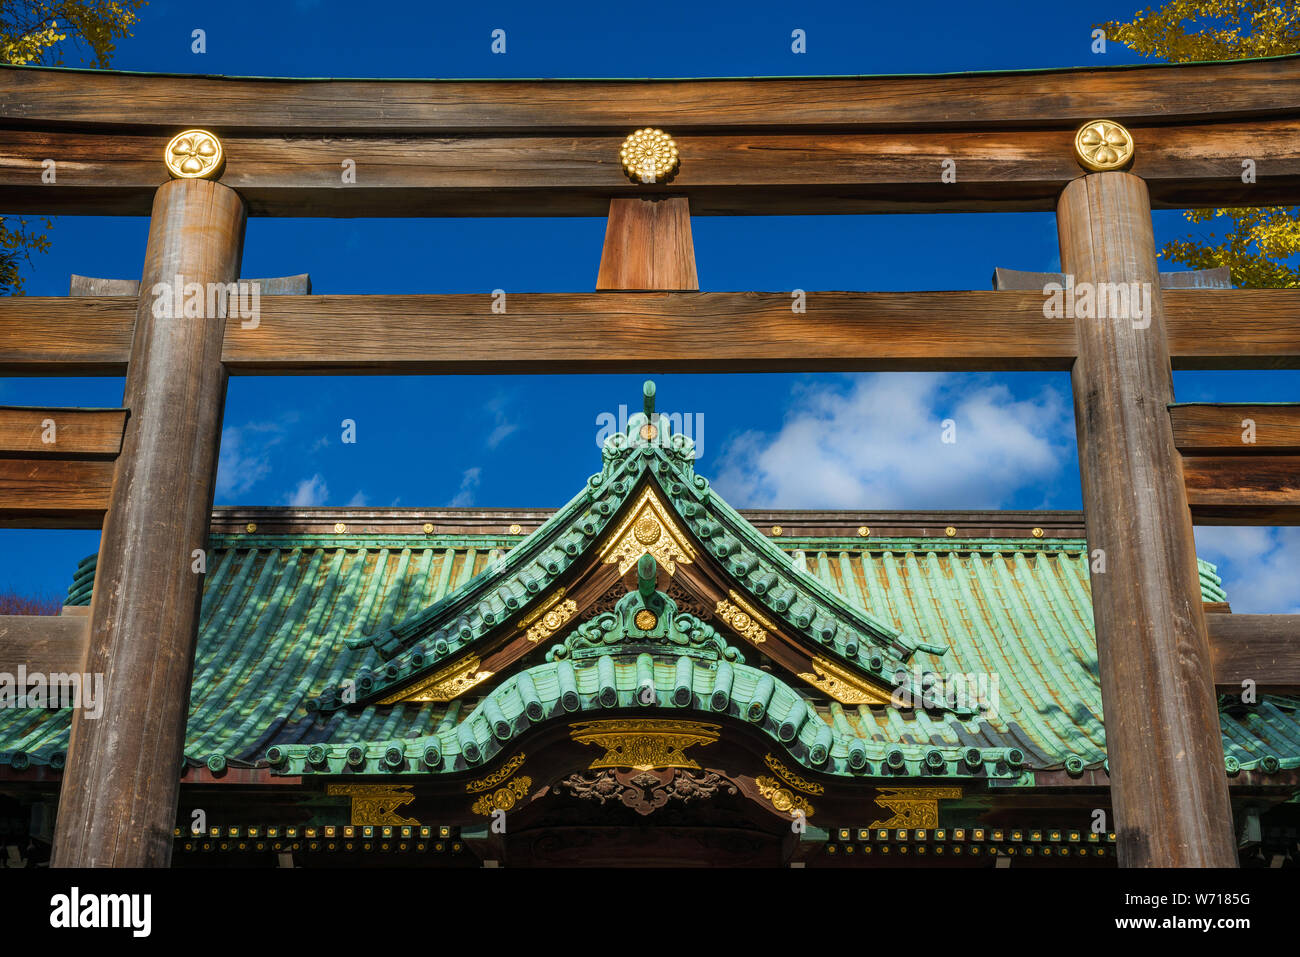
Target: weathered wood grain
[
  {"x": 1237, "y": 428},
  {"x": 299, "y": 285},
  {"x": 648, "y": 246},
  {"x": 617, "y": 331},
  {"x": 1243, "y": 489},
  {"x": 71, "y": 432},
  {"x": 1168, "y": 789},
  {"x": 1264, "y": 649},
  {"x": 54, "y": 492},
  {"x": 51, "y": 644},
  {"x": 721, "y": 173},
  {"x": 118, "y": 802},
  {"x": 1035, "y": 98}
]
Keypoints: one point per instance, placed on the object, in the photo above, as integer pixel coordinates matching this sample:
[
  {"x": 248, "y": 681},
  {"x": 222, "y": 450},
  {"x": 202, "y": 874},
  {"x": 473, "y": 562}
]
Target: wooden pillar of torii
[
  {"x": 117, "y": 802},
  {"x": 1169, "y": 788}
]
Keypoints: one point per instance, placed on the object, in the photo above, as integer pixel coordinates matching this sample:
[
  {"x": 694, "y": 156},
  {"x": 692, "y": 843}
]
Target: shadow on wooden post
[{"x": 118, "y": 797}]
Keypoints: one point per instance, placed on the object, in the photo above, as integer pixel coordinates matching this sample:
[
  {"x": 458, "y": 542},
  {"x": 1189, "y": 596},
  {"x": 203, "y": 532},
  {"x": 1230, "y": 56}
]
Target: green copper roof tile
[{"x": 281, "y": 617}]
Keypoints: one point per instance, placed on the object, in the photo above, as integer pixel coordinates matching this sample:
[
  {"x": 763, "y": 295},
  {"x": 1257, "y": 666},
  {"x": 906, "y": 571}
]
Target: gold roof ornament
[
  {"x": 194, "y": 154},
  {"x": 649, "y": 156},
  {"x": 649, "y": 528},
  {"x": 1102, "y": 145},
  {"x": 642, "y": 744}
]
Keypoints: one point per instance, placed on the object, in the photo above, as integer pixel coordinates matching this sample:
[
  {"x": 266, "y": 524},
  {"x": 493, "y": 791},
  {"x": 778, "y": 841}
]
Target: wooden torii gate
[{"x": 1100, "y": 147}]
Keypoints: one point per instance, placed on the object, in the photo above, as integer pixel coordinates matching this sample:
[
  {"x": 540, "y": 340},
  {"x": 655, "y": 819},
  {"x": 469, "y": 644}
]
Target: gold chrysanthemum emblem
[
  {"x": 646, "y": 530},
  {"x": 1103, "y": 145},
  {"x": 645, "y": 619},
  {"x": 649, "y": 156},
  {"x": 194, "y": 154}
]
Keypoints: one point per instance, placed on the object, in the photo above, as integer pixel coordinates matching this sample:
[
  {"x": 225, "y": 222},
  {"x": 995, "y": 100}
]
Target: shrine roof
[
  {"x": 301, "y": 607},
  {"x": 278, "y": 606}
]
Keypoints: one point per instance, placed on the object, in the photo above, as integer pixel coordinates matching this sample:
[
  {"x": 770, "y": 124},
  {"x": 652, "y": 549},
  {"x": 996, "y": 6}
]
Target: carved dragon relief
[{"x": 646, "y": 791}]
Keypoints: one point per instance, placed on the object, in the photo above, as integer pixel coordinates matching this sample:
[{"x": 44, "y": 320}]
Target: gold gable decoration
[
  {"x": 643, "y": 744},
  {"x": 446, "y": 685},
  {"x": 842, "y": 685},
  {"x": 648, "y": 529}
]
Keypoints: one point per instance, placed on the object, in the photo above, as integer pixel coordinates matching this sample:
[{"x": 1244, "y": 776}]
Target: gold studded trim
[
  {"x": 844, "y": 686},
  {"x": 446, "y": 685}
]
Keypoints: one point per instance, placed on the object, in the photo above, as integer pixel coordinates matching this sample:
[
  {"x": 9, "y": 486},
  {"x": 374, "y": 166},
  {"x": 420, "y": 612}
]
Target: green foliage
[
  {"x": 48, "y": 33},
  {"x": 1256, "y": 242}
]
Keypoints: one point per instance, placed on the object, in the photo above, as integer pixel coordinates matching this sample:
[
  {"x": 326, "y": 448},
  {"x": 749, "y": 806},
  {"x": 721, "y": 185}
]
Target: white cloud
[
  {"x": 358, "y": 499},
  {"x": 1260, "y": 567},
  {"x": 878, "y": 444},
  {"x": 504, "y": 427},
  {"x": 245, "y": 457},
  {"x": 310, "y": 492},
  {"x": 468, "y": 485}
]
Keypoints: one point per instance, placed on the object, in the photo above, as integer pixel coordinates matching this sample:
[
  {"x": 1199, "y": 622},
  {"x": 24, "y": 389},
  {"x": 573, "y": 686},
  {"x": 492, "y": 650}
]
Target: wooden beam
[
  {"x": 118, "y": 803},
  {"x": 721, "y": 173},
  {"x": 1168, "y": 787},
  {"x": 648, "y": 246},
  {"x": 1264, "y": 649},
  {"x": 54, "y": 492},
  {"x": 46, "y": 643},
  {"x": 974, "y": 101},
  {"x": 299, "y": 285},
  {"x": 678, "y": 332},
  {"x": 1245, "y": 428},
  {"x": 54, "y": 433},
  {"x": 1243, "y": 489}
]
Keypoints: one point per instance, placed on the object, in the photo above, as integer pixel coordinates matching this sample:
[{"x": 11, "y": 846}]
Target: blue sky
[{"x": 779, "y": 440}]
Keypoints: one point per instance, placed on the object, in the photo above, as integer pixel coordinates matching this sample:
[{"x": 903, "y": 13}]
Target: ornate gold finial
[
  {"x": 864, "y": 532},
  {"x": 1103, "y": 145},
  {"x": 649, "y": 156},
  {"x": 1037, "y": 532},
  {"x": 194, "y": 154}
]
